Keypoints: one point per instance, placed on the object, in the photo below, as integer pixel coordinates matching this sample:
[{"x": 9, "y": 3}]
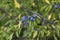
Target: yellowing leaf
[
  {"x": 49, "y": 17},
  {"x": 38, "y": 16},
  {"x": 35, "y": 34},
  {"x": 19, "y": 16},
  {"x": 48, "y": 33},
  {"x": 33, "y": 4},
  {"x": 10, "y": 14},
  {"x": 19, "y": 24},
  {"x": 17, "y": 5},
  {"x": 47, "y": 1}
]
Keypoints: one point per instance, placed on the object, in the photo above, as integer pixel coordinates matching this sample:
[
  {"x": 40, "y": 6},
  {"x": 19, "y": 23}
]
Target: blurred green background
[{"x": 46, "y": 26}]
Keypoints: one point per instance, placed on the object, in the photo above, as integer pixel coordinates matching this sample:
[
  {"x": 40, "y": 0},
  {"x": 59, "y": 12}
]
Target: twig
[{"x": 38, "y": 14}]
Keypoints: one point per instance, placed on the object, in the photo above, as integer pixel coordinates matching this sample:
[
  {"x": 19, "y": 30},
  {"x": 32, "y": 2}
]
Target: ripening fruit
[
  {"x": 31, "y": 19},
  {"x": 56, "y": 6},
  {"x": 23, "y": 18},
  {"x": 27, "y": 24},
  {"x": 34, "y": 15}
]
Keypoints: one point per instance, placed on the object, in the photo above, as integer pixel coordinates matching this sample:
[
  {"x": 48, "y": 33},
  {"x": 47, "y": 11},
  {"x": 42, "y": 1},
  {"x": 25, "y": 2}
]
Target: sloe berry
[
  {"x": 27, "y": 24},
  {"x": 56, "y": 6},
  {"x": 32, "y": 19},
  {"x": 23, "y": 18}
]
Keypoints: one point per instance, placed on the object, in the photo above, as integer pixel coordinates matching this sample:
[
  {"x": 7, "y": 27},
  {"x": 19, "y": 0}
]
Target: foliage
[{"x": 29, "y": 20}]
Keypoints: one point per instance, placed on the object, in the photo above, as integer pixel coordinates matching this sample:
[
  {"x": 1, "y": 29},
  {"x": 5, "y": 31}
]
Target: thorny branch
[{"x": 45, "y": 20}]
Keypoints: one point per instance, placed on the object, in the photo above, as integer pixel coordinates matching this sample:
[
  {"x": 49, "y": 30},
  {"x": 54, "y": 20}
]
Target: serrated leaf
[{"x": 35, "y": 34}]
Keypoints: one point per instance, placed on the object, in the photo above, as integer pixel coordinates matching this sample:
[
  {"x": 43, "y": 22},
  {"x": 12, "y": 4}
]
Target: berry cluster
[{"x": 31, "y": 18}]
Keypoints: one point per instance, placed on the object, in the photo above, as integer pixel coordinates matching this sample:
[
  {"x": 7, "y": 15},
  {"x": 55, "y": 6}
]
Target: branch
[{"x": 38, "y": 14}]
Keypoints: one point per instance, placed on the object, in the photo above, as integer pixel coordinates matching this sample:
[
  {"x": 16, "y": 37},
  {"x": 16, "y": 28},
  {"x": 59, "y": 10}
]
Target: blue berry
[
  {"x": 34, "y": 15},
  {"x": 32, "y": 19},
  {"x": 27, "y": 24},
  {"x": 23, "y": 18},
  {"x": 56, "y": 6}
]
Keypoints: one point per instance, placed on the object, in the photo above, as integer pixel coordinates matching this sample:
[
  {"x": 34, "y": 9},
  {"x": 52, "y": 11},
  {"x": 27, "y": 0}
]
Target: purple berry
[
  {"x": 27, "y": 24},
  {"x": 34, "y": 15},
  {"x": 23, "y": 18},
  {"x": 32, "y": 19},
  {"x": 56, "y": 6}
]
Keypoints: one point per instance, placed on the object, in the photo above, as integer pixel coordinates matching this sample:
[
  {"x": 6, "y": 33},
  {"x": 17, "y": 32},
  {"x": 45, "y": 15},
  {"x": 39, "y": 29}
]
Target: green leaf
[
  {"x": 55, "y": 38},
  {"x": 10, "y": 37},
  {"x": 17, "y": 34},
  {"x": 58, "y": 32},
  {"x": 35, "y": 34}
]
